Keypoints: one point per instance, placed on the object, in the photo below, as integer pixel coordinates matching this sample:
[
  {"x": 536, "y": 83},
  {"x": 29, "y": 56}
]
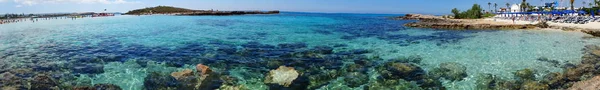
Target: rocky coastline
[
  {"x": 220, "y": 13},
  {"x": 438, "y": 22}
]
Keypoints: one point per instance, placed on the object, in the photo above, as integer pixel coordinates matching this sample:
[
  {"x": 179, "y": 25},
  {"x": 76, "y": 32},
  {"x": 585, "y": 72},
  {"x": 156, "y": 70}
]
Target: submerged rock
[
  {"x": 409, "y": 59},
  {"x": 101, "y": 87},
  {"x": 450, "y": 70},
  {"x": 533, "y": 85},
  {"x": 555, "y": 80},
  {"x": 106, "y": 87},
  {"x": 282, "y": 76},
  {"x": 44, "y": 82},
  {"x": 356, "y": 79},
  {"x": 157, "y": 81},
  {"x": 406, "y": 71},
  {"x": 525, "y": 74},
  {"x": 399, "y": 84}
]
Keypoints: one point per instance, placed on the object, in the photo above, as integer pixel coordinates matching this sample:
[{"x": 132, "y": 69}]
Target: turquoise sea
[{"x": 329, "y": 51}]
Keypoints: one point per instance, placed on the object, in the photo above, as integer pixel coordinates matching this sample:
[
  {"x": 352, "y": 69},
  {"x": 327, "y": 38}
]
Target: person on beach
[{"x": 513, "y": 19}]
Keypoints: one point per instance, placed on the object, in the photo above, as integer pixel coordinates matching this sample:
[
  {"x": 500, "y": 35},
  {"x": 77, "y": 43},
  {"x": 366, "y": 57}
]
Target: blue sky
[{"x": 329, "y": 6}]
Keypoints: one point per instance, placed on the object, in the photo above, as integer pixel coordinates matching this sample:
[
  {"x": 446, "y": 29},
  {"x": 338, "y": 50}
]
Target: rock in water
[
  {"x": 106, "y": 87},
  {"x": 182, "y": 74},
  {"x": 99, "y": 87},
  {"x": 43, "y": 82},
  {"x": 451, "y": 71},
  {"x": 157, "y": 81},
  {"x": 592, "y": 84},
  {"x": 525, "y": 74},
  {"x": 203, "y": 69},
  {"x": 406, "y": 71},
  {"x": 282, "y": 76}
]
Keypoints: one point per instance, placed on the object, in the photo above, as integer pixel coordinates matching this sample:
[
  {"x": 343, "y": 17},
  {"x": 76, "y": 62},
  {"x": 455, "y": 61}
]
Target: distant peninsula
[{"x": 189, "y": 12}]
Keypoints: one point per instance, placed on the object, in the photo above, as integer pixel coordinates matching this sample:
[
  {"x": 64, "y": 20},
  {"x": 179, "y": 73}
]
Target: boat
[{"x": 103, "y": 14}]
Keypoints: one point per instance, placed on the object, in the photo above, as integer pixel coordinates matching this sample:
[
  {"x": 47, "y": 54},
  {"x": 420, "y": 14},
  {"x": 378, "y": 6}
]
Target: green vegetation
[
  {"x": 159, "y": 9},
  {"x": 589, "y": 10},
  {"x": 473, "y": 13}
]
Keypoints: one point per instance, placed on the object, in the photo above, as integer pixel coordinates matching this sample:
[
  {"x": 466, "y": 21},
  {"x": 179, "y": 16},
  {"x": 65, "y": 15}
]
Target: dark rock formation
[
  {"x": 356, "y": 79},
  {"x": 158, "y": 81},
  {"x": 406, "y": 71},
  {"x": 592, "y": 32},
  {"x": 101, "y": 87},
  {"x": 44, "y": 82},
  {"x": 525, "y": 74}
]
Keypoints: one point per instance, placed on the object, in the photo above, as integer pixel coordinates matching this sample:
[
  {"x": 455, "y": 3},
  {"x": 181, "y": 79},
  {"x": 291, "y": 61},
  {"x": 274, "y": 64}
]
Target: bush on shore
[{"x": 473, "y": 13}]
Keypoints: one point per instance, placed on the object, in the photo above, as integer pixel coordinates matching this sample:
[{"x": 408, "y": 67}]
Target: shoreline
[{"x": 437, "y": 22}]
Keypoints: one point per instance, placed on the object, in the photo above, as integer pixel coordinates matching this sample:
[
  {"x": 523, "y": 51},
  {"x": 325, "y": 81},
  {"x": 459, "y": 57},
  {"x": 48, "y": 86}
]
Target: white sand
[{"x": 591, "y": 25}]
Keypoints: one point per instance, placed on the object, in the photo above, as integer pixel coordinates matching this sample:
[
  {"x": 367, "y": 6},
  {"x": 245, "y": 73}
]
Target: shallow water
[{"x": 128, "y": 48}]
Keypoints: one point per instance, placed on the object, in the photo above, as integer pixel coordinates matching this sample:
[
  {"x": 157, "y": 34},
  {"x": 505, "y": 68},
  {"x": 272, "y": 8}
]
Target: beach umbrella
[{"x": 581, "y": 12}]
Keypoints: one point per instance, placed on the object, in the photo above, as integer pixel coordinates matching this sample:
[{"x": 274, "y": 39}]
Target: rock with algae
[
  {"x": 282, "y": 76},
  {"x": 158, "y": 81},
  {"x": 398, "y": 84},
  {"x": 406, "y": 71},
  {"x": 450, "y": 70},
  {"x": 525, "y": 74},
  {"x": 44, "y": 82},
  {"x": 99, "y": 87}
]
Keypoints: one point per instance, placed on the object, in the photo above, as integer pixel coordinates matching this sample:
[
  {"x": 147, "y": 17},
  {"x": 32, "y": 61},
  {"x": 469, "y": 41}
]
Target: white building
[{"x": 515, "y": 8}]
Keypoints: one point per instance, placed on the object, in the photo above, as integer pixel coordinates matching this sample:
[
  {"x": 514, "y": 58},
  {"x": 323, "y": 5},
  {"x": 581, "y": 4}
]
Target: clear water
[{"x": 65, "y": 42}]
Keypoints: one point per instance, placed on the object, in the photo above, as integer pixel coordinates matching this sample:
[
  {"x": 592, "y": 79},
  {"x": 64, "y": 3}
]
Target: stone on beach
[{"x": 282, "y": 76}]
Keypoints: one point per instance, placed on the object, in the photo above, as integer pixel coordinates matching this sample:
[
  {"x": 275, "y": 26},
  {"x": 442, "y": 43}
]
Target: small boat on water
[{"x": 103, "y": 14}]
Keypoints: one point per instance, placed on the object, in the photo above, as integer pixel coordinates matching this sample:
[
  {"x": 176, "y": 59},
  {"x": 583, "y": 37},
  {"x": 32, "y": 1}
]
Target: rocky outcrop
[
  {"x": 592, "y": 32},
  {"x": 442, "y": 24},
  {"x": 591, "y": 84},
  {"x": 436, "y": 22},
  {"x": 282, "y": 76}
]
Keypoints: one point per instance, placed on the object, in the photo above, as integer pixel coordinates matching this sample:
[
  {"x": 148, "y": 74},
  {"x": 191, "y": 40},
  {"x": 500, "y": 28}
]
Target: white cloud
[
  {"x": 34, "y": 2},
  {"x": 18, "y": 5}
]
